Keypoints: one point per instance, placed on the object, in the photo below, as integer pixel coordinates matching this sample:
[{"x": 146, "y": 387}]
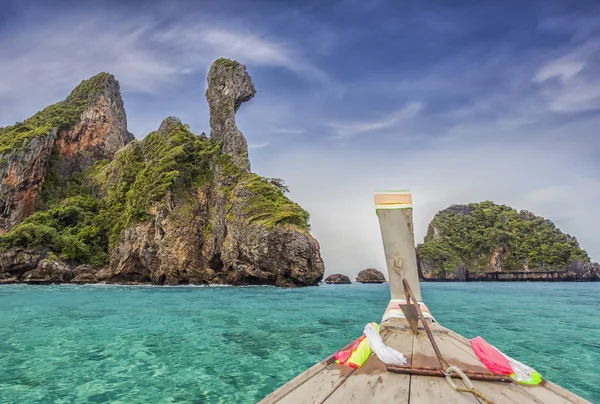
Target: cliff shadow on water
[{"x": 82, "y": 201}]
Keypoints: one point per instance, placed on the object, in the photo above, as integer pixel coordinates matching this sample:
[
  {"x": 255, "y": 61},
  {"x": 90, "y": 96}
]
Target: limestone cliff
[
  {"x": 173, "y": 208},
  {"x": 88, "y": 126},
  {"x": 22, "y": 171},
  {"x": 229, "y": 85},
  {"x": 485, "y": 241}
]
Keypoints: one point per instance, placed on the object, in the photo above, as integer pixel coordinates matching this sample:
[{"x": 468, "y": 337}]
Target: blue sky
[{"x": 459, "y": 101}]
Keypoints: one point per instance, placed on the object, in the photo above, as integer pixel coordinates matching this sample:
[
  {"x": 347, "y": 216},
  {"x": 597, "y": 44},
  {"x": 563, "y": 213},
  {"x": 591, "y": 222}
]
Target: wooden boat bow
[{"x": 429, "y": 347}]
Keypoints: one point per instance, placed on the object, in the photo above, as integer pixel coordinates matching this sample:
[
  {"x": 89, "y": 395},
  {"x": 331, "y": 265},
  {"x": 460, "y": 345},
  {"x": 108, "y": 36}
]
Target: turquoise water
[{"x": 97, "y": 344}]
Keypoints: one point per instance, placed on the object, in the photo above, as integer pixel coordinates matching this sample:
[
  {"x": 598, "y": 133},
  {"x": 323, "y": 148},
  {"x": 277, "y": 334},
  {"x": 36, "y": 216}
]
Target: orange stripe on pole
[{"x": 393, "y": 199}]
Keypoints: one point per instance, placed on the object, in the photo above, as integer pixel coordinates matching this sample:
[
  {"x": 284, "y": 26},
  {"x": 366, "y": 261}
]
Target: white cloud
[
  {"x": 563, "y": 69},
  {"x": 258, "y": 145},
  {"x": 578, "y": 86},
  {"x": 290, "y": 131},
  {"x": 576, "y": 97},
  {"x": 44, "y": 58},
  {"x": 352, "y": 128}
]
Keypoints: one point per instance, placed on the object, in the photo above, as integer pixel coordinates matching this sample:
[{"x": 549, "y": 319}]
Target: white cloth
[{"x": 387, "y": 355}]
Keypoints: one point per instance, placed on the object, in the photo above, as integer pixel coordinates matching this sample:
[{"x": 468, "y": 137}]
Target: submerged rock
[
  {"x": 370, "y": 275},
  {"x": 337, "y": 279}
]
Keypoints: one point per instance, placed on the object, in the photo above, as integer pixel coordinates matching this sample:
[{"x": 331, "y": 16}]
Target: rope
[
  {"x": 467, "y": 381},
  {"x": 476, "y": 393}
]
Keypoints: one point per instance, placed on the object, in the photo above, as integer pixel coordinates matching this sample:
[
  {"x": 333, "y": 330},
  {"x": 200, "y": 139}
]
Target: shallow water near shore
[{"x": 128, "y": 344}]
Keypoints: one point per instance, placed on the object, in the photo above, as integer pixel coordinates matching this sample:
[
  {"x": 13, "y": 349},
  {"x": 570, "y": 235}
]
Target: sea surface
[{"x": 128, "y": 344}]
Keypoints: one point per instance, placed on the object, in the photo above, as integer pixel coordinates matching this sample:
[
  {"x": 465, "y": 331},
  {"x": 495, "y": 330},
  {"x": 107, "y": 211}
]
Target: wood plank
[
  {"x": 319, "y": 387},
  {"x": 431, "y": 389},
  {"x": 372, "y": 383},
  {"x": 514, "y": 392},
  {"x": 290, "y": 386},
  {"x": 326, "y": 371},
  {"x": 572, "y": 397},
  {"x": 495, "y": 391}
]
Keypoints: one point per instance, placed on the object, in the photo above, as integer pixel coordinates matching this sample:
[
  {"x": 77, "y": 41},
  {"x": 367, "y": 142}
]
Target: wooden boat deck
[{"x": 328, "y": 382}]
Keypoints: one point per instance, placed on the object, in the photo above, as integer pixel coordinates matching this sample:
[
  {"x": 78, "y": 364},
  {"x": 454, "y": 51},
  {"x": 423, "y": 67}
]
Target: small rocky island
[
  {"x": 490, "y": 242},
  {"x": 370, "y": 275},
  {"x": 82, "y": 201},
  {"x": 337, "y": 279}
]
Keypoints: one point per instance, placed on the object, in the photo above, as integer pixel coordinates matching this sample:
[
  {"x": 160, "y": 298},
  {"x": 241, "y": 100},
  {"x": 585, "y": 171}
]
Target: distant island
[
  {"x": 82, "y": 201},
  {"x": 490, "y": 242}
]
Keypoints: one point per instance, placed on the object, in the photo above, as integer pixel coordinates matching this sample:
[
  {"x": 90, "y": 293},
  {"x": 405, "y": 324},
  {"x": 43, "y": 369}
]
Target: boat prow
[{"x": 329, "y": 382}]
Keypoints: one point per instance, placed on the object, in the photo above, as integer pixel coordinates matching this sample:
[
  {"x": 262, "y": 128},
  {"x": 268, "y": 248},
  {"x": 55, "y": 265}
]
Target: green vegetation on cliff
[
  {"x": 269, "y": 206},
  {"x": 145, "y": 172},
  {"x": 484, "y": 235},
  {"x": 70, "y": 229},
  {"x": 61, "y": 115},
  {"x": 228, "y": 63},
  {"x": 83, "y": 217}
]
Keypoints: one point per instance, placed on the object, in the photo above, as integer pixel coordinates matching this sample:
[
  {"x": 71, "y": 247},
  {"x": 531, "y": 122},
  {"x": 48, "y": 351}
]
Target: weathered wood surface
[
  {"x": 399, "y": 246},
  {"x": 373, "y": 383},
  {"x": 330, "y": 383}
]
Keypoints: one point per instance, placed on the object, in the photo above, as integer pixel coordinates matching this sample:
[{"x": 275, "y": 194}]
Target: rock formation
[
  {"x": 229, "y": 85},
  {"x": 485, "y": 241},
  {"x": 20, "y": 181},
  {"x": 337, "y": 279},
  {"x": 99, "y": 132},
  {"x": 173, "y": 208},
  {"x": 88, "y": 126},
  {"x": 370, "y": 275}
]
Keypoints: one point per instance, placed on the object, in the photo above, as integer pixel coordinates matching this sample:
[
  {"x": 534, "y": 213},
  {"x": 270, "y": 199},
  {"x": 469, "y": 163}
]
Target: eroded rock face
[
  {"x": 84, "y": 274},
  {"x": 166, "y": 249},
  {"x": 229, "y": 85},
  {"x": 168, "y": 124},
  {"x": 48, "y": 271},
  {"x": 99, "y": 133},
  {"x": 370, "y": 275},
  {"x": 337, "y": 279},
  {"x": 17, "y": 261},
  {"x": 576, "y": 271},
  {"x": 209, "y": 240},
  {"x": 22, "y": 173}
]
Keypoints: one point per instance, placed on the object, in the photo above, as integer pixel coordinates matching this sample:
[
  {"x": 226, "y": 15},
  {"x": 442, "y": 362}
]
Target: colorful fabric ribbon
[
  {"x": 498, "y": 362},
  {"x": 357, "y": 354}
]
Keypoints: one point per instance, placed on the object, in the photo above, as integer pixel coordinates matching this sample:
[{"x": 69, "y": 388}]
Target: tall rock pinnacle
[{"x": 229, "y": 85}]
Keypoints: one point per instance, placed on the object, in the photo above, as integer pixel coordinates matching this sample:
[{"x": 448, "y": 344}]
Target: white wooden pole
[{"x": 394, "y": 209}]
